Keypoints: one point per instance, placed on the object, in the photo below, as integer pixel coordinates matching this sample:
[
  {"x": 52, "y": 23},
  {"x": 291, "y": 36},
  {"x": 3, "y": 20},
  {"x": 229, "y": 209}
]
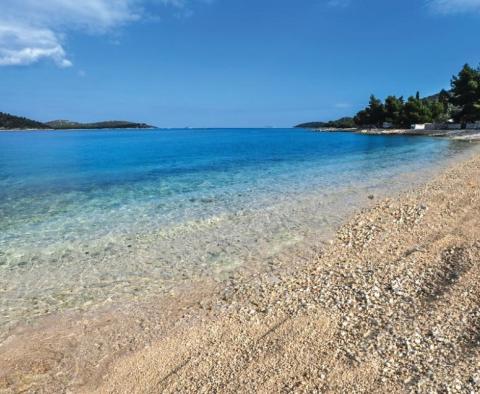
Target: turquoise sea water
[{"x": 90, "y": 218}]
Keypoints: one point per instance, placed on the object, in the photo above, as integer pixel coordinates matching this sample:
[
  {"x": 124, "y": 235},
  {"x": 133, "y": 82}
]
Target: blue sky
[{"x": 218, "y": 63}]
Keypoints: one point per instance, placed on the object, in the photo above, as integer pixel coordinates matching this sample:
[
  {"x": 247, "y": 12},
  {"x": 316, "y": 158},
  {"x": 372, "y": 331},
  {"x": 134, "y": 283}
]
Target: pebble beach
[{"x": 390, "y": 303}]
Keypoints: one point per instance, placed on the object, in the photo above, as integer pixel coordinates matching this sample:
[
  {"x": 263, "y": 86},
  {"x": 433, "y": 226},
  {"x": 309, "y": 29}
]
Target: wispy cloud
[
  {"x": 32, "y": 30},
  {"x": 23, "y": 44},
  {"x": 454, "y": 6}
]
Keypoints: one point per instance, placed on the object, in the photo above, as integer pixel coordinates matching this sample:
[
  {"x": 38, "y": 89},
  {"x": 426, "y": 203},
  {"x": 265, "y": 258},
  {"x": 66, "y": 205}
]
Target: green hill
[
  {"x": 111, "y": 124},
  {"x": 11, "y": 122},
  {"x": 342, "y": 123}
]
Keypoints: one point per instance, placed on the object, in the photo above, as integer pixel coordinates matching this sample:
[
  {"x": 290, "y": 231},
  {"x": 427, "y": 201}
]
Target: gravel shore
[
  {"x": 391, "y": 304},
  {"x": 463, "y": 134}
]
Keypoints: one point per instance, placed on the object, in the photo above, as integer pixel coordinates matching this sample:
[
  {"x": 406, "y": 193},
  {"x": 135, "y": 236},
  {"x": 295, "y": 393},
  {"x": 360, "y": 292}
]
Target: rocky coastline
[{"x": 465, "y": 134}]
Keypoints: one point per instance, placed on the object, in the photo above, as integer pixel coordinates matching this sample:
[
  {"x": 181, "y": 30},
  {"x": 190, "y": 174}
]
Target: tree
[
  {"x": 437, "y": 111},
  {"x": 393, "y": 110},
  {"x": 376, "y": 111},
  {"x": 362, "y": 118},
  {"x": 466, "y": 94},
  {"x": 444, "y": 98},
  {"x": 373, "y": 115},
  {"x": 416, "y": 111}
]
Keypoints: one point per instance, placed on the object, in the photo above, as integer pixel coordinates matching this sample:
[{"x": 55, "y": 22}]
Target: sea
[{"x": 91, "y": 218}]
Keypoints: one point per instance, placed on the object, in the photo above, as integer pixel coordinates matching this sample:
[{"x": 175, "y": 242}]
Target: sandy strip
[{"x": 392, "y": 304}]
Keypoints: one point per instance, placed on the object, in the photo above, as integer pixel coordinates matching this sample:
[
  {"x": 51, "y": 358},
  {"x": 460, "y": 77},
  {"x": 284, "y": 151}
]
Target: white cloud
[
  {"x": 25, "y": 45},
  {"x": 31, "y": 30},
  {"x": 454, "y": 6}
]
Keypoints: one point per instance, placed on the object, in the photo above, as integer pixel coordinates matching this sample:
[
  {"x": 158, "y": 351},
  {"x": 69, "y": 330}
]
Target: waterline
[{"x": 94, "y": 219}]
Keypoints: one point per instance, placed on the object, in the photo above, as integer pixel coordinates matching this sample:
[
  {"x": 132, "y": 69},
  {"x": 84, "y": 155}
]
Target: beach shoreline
[
  {"x": 396, "y": 288},
  {"x": 464, "y": 134}
]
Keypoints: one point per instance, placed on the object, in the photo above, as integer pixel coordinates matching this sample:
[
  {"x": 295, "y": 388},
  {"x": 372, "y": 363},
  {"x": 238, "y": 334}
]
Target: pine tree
[
  {"x": 466, "y": 94},
  {"x": 393, "y": 109}
]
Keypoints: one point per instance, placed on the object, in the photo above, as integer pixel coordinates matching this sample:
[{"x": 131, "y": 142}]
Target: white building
[{"x": 418, "y": 126}]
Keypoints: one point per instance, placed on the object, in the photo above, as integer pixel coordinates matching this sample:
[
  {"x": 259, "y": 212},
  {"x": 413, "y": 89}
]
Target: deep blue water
[
  {"x": 84, "y": 210},
  {"x": 40, "y": 163}
]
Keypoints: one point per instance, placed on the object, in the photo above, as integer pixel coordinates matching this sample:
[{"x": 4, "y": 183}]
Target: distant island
[
  {"x": 342, "y": 123},
  {"x": 12, "y": 122},
  {"x": 455, "y": 109}
]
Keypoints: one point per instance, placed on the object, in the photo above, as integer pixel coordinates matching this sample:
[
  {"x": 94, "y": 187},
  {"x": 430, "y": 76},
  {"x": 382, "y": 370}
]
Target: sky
[{"x": 226, "y": 63}]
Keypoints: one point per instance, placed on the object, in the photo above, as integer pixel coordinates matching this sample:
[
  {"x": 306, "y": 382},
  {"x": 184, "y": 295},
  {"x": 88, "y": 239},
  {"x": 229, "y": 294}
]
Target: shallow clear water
[{"x": 94, "y": 217}]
